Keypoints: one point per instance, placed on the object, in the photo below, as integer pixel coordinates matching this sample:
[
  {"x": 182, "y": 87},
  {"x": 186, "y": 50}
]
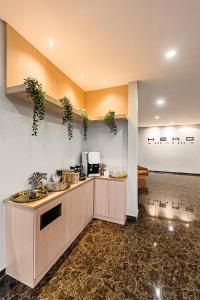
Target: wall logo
[{"x": 171, "y": 140}]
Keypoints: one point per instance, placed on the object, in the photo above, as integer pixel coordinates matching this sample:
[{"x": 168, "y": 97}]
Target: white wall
[
  {"x": 20, "y": 153},
  {"x": 183, "y": 157},
  {"x": 113, "y": 148},
  {"x": 132, "y": 191}
]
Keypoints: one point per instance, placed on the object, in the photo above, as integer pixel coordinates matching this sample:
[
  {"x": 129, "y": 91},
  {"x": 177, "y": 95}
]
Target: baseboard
[
  {"x": 2, "y": 273},
  {"x": 131, "y": 219},
  {"x": 112, "y": 220},
  {"x": 174, "y": 173},
  {"x": 129, "y": 214}
]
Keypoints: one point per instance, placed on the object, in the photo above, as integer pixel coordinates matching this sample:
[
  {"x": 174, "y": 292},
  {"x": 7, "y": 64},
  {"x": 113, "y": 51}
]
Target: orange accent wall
[
  {"x": 25, "y": 60},
  {"x": 99, "y": 102}
]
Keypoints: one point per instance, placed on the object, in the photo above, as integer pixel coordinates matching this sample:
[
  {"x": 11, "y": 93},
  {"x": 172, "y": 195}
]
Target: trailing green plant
[
  {"x": 109, "y": 120},
  {"x": 85, "y": 122},
  {"x": 35, "y": 91},
  {"x": 68, "y": 116}
]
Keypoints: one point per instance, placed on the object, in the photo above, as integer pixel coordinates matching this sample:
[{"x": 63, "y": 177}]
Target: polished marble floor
[
  {"x": 149, "y": 259},
  {"x": 172, "y": 196}
]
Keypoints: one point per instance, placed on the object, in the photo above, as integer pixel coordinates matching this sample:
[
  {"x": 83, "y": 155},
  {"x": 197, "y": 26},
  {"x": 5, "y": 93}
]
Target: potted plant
[
  {"x": 35, "y": 91},
  {"x": 85, "y": 122},
  {"x": 68, "y": 115},
  {"x": 109, "y": 120}
]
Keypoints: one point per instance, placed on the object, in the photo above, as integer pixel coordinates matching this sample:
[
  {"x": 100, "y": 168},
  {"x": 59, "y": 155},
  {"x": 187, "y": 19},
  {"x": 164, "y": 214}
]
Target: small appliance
[{"x": 91, "y": 163}]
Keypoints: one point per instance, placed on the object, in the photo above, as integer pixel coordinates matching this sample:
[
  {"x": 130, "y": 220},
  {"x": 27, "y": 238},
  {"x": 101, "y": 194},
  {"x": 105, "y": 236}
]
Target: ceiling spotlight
[
  {"x": 160, "y": 102},
  {"x": 171, "y": 53},
  {"x": 157, "y": 117},
  {"x": 51, "y": 42},
  {"x": 155, "y": 244},
  {"x": 105, "y": 81},
  {"x": 82, "y": 76}
]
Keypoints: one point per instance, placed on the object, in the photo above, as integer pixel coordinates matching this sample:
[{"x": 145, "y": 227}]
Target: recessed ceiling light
[
  {"x": 105, "y": 81},
  {"x": 157, "y": 117},
  {"x": 82, "y": 76},
  {"x": 51, "y": 42},
  {"x": 160, "y": 102},
  {"x": 171, "y": 53},
  {"x": 155, "y": 244}
]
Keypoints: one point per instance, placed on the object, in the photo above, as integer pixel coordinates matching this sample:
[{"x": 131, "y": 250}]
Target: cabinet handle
[{"x": 50, "y": 215}]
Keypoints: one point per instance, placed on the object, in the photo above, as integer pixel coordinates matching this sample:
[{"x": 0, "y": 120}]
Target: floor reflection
[
  {"x": 151, "y": 259},
  {"x": 172, "y": 196}
]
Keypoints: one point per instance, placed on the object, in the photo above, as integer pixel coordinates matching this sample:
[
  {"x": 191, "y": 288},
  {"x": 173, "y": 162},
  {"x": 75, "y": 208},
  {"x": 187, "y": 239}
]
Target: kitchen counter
[
  {"x": 53, "y": 195},
  {"x": 110, "y": 178},
  {"x": 47, "y": 227}
]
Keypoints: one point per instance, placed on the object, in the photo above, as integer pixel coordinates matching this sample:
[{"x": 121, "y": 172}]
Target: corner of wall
[{"x": 132, "y": 185}]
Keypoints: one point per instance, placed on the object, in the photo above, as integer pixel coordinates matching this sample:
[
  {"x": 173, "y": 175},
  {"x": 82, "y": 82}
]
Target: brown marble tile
[
  {"x": 180, "y": 194},
  {"x": 152, "y": 259}
]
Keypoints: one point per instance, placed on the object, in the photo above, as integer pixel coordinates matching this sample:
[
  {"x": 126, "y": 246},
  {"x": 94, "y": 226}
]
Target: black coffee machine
[{"x": 91, "y": 163}]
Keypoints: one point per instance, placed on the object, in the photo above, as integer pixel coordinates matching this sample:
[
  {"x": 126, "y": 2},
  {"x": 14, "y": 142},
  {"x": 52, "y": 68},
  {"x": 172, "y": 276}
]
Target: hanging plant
[
  {"x": 68, "y": 116},
  {"x": 35, "y": 91},
  {"x": 85, "y": 122},
  {"x": 109, "y": 120}
]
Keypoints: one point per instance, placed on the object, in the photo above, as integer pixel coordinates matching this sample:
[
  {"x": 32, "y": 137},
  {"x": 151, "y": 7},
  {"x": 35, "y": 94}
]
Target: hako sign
[{"x": 174, "y": 140}]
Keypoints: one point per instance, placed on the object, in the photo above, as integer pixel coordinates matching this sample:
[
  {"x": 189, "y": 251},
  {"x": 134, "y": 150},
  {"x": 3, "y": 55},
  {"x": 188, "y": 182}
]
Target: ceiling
[{"x": 121, "y": 41}]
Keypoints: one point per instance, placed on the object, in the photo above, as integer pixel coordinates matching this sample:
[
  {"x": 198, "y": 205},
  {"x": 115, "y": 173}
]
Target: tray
[
  {"x": 57, "y": 186},
  {"x": 118, "y": 177},
  {"x": 25, "y": 196}
]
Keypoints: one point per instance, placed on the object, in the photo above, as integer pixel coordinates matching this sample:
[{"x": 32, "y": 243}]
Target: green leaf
[
  {"x": 109, "y": 120},
  {"x": 35, "y": 91},
  {"x": 68, "y": 116}
]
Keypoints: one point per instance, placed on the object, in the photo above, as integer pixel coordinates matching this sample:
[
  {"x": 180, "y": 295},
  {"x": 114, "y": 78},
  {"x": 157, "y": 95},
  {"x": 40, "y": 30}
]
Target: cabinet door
[
  {"x": 74, "y": 219},
  {"x": 70, "y": 210},
  {"x": 101, "y": 197},
  {"x": 78, "y": 210},
  {"x": 117, "y": 199},
  {"x": 88, "y": 199},
  {"x": 49, "y": 235}
]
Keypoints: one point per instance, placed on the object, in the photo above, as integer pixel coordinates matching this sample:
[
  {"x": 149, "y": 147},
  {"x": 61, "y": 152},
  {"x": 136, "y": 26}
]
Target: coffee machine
[{"x": 90, "y": 163}]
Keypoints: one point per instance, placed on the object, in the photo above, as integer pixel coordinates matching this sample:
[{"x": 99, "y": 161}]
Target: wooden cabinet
[
  {"x": 38, "y": 234},
  {"x": 101, "y": 197},
  {"x": 49, "y": 235},
  {"x": 36, "y": 238},
  {"x": 74, "y": 214},
  {"x": 117, "y": 200},
  {"x": 78, "y": 211},
  {"x": 88, "y": 193},
  {"x": 110, "y": 200}
]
